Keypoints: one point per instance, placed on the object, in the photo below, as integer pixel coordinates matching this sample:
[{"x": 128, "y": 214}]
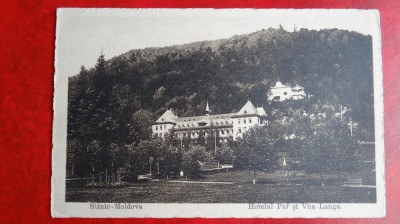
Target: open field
[{"x": 271, "y": 188}]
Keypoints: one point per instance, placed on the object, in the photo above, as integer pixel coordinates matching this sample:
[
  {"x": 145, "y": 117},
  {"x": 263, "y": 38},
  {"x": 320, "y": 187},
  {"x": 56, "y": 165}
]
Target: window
[
  {"x": 238, "y": 121},
  {"x": 250, "y": 120},
  {"x": 222, "y": 132},
  {"x": 284, "y": 93},
  {"x": 157, "y": 128},
  {"x": 160, "y": 127},
  {"x": 239, "y": 130},
  {"x": 244, "y": 120},
  {"x": 165, "y": 127}
]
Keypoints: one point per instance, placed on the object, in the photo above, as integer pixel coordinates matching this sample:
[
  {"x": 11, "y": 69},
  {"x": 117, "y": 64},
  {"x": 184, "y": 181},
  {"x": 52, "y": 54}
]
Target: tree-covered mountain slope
[{"x": 118, "y": 99}]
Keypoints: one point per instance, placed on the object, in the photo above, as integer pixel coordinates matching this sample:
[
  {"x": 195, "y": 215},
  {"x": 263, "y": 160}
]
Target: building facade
[
  {"x": 230, "y": 125},
  {"x": 281, "y": 92}
]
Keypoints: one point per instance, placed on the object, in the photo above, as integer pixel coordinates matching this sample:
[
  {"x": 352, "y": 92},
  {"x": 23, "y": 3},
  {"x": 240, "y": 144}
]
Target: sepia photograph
[{"x": 218, "y": 113}]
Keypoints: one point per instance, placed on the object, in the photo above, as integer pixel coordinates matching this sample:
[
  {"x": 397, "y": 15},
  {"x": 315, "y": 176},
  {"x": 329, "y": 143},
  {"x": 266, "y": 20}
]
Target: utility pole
[
  {"x": 150, "y": 162},
  {"x": 72, "y": 170},
  {"x": 351, "y": 127},
  {"x": 215, "y": 141}
]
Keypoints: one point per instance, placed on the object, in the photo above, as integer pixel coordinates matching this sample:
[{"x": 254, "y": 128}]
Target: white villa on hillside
[
  {"x": 281, "y": 92},
  {"x": 226, "y": 125}
]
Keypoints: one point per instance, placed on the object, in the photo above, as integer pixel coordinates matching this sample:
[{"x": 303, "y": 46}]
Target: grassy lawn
[{"x": 271, "y": 188}]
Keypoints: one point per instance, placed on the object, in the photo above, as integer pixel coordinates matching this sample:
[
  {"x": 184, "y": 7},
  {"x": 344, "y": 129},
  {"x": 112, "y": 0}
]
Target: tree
[
  {"x": 257, "y": 92},
  {"x": 93, "y": 157},
  {"x": 212, "y": 140},
  {"x": 346, "y": 150},
  {"x": 224, "y": 154},
  {"x": 141, "y": 125},
  {"x": 134, "y": 165},
  {"x": 191, "y": 159},
  {"x": 152, "y": 150},
  {"x": 256, "y": 152},
  {"x": 73, "y": 154},
  {"x": 100, "y": 78},
  {"x": 330, "y": 149},
  {"x": 201, "y": 139},
  {"x": 313, "y": 154},
  {"x": 171, "y": 161}
]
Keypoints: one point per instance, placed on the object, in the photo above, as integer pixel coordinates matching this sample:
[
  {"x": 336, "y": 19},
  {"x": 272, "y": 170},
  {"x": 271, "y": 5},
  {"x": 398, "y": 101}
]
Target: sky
[{"x": 82, "y": 34}]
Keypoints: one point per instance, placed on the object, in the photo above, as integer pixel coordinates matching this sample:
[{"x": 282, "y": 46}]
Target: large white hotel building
[{"x": 226, "y": 125}]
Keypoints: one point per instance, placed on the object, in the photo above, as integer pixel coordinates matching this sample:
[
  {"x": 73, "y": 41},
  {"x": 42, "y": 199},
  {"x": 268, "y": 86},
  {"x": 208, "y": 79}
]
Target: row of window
[
  {"x": 196, "y": 133},
  {"x": 244, "y": 121},
  {"x": 244, "y": 129},
  {"x": 159, "y": 135},
  {"x": 239, "y": 121},
  {"x": 248, "y": 120},
  {"x": 161, "y": 127},
  {"x": 298, "y": 91},
  {"x": 193, "y": 124}
]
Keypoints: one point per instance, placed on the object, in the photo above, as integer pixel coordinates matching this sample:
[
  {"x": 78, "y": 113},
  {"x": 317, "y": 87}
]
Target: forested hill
[{"x": 121, "y": 94}]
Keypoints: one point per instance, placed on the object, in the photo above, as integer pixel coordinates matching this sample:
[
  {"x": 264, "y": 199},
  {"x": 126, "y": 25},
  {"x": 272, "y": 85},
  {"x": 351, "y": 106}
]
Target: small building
[
  {"x": 230, "y": 125},
  {"x": 281, "y": 92}
]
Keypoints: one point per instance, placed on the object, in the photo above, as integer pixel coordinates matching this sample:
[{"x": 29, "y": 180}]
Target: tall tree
[
  {"x": 191, "y": 159},
  {"x": 330, "y": 149},
  {"x": 256, "y": 152}
]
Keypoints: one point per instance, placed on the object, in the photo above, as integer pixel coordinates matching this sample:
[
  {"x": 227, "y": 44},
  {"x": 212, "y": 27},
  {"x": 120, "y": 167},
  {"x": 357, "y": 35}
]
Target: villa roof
[
  {"x": 279, "y": 85},
  {"x": 168, "y": 116},
  {"x": 261, "y": 111},
  {"x": 205, "y": 117},
  {"x": 297, "y": 87},
  {"x": 248, "y": 108}
]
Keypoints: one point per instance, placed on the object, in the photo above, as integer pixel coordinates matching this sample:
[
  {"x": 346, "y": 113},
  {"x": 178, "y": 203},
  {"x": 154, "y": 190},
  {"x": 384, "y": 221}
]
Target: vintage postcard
[{"x": 218, "y": 113}]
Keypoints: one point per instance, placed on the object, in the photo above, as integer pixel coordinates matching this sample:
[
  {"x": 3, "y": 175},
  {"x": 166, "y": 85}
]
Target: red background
[{"x": 27, "y": 36}]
